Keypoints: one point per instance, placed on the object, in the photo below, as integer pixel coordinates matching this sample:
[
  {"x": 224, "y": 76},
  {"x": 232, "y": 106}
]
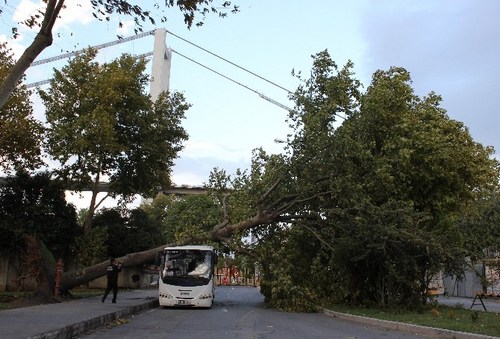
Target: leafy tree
[
  {"x": 46, "y": 17},
  {"x": 90, "y": 247},
  {"x": 481, "y": 222},
  {"x": 184, "y": 218},
  {"x": 303, "y": 176},
  {"x": 103, "y": 126},
  {"x": 396, "y": 173},
  {"x": 374, "y": 201},
  {"x": 416, "y": 171},
  {"x": 36, "y": 206},
  {"x": 144, "y": 232},
  {"x": 127, "y": 231},
  {"x": 20, "y": 133},
  {"x": 156, "y": 209},
  {"x": 114, "y": 224}
]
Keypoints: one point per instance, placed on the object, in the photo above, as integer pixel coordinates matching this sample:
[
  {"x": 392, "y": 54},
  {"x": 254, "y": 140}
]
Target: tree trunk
[
  {"x": 220, "y": 233},
  {"x": 17, "y": 71},
  {"x": 91, "y": 212},
  {"x": 76, "y": 278},
  {"x": 39, "y": 264}
]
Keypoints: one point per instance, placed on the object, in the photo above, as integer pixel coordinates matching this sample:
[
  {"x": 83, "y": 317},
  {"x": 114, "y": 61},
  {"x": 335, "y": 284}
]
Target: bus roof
[{"x": 191, "y": 247}]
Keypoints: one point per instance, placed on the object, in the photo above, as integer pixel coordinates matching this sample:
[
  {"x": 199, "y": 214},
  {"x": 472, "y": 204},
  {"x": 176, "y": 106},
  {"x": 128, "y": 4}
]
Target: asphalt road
[{"x": 239, "y": 312}]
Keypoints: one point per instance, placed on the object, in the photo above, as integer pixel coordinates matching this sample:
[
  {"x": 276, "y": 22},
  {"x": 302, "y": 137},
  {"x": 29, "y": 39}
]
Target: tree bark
[{"x": 76, "y": 278}]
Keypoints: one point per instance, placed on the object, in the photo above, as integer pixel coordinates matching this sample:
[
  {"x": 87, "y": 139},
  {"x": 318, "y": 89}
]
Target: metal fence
[{"x": 235, "y": 276}]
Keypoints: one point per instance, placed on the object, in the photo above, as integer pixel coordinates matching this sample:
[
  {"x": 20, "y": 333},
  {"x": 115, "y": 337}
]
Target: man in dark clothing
[{"x": 112, "y": 270}]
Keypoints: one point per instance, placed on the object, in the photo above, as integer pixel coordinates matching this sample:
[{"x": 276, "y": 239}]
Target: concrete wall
[
  {"x": 468, "y": 286},
  {"x": 131, "y": 278},
  {"x": 10, "y": 280},
  {"x": 4, "y": 264}
]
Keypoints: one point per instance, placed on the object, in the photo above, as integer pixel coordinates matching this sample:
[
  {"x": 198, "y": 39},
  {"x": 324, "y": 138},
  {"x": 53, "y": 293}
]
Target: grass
[{"x": 452, "y": 318}]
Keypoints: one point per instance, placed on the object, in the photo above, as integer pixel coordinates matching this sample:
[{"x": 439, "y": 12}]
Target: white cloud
[
  {"x": 82, "y": 200},
  {"x": 75, "y": 11},
  {"x": 189, "y": 178},
  {"x": 25, "y": 9},
  {"x": 199, "y": 149}
]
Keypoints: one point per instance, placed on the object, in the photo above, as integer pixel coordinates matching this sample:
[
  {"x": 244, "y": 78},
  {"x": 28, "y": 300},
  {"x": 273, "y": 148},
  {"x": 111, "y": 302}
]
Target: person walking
[{"x": 112, "y": 271}]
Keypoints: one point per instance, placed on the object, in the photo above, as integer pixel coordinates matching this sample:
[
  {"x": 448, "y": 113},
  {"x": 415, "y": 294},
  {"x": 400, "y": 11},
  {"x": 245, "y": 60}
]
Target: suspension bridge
[
  {"x": 160, "y": 78},
  {"x": 161, "y": 64}
]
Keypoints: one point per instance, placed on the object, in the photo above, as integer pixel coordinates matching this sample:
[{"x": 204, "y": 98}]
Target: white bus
[{"x": 186, "y": 276}]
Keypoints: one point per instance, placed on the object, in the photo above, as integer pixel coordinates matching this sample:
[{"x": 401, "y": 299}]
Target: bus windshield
[{"x": 186, "y": 267}]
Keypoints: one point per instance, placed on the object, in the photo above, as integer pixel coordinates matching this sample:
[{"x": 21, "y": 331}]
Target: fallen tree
[
  {"x": 76, "y": 278},
  {"x": 277, "y": 211}
]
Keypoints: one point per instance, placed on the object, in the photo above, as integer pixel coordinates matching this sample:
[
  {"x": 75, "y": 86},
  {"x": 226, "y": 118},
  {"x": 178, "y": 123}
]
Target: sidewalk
[{"x": 72, "y": 318}]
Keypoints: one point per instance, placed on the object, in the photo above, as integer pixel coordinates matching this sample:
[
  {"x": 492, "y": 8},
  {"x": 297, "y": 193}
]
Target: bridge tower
[{"x": 160, "y": 69}]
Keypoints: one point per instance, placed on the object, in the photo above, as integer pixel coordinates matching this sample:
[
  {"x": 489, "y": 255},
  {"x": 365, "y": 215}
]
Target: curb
[
  {"x": 88, "y": 325},
  {"x": 393, "y": 325}
]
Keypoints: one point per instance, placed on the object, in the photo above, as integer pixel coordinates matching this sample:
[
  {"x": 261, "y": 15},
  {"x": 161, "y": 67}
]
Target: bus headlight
[{"x": 166, "y": 296}]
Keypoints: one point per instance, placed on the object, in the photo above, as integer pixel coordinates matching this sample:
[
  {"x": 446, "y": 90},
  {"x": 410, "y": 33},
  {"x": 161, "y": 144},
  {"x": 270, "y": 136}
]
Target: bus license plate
[{"x": 184, "y": 302}]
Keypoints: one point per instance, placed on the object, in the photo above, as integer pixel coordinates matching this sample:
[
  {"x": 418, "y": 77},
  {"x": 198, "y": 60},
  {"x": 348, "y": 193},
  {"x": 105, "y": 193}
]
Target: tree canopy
[
  {"x": 102, "y": 126},
  {"x": 128, "y": 231},
  {"x": 36, "y": 206},
  {"x": 187, "y": 217},
  {"x": 394, "y": 176},
  {"x": 366, "y": 207}
]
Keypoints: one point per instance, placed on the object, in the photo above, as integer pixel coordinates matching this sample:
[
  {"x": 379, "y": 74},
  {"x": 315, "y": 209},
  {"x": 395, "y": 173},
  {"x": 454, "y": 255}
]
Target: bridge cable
[
  {"x": 236, "y": 82},
  {"x": 232, "y": 63},
  {"x": 107, "y": 44}
]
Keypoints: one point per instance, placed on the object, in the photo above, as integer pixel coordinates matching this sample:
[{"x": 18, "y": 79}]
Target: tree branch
[
  {"x": 270, "y": 190},
  {"x": 42, "y": 40},
  {"x": 316, "y": 235}
]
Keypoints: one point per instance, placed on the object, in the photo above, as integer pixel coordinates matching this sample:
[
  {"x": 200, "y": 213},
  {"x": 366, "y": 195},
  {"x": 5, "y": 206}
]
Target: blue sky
[{"x": 449, "y": 46}]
